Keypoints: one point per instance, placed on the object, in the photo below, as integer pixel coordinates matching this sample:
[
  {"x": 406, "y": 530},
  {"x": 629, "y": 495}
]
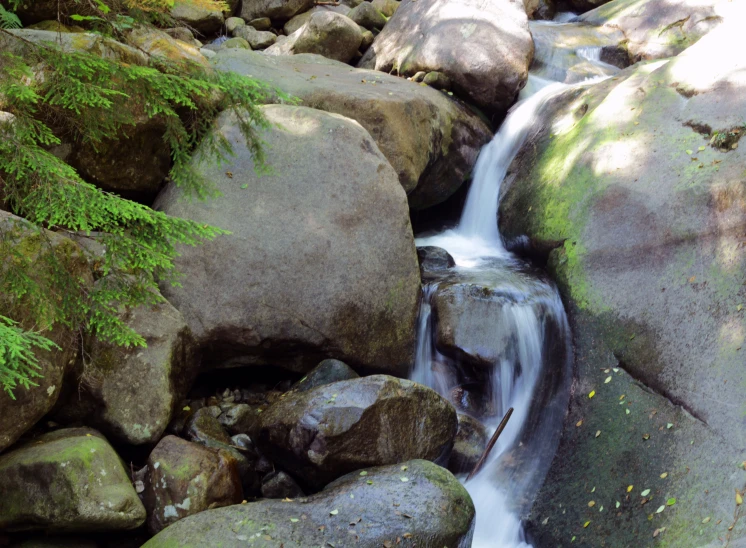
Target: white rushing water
[{"x": 532, "y": 325}]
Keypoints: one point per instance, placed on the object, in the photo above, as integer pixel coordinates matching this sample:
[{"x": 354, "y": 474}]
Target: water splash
[{"x": 531, "y": 334}]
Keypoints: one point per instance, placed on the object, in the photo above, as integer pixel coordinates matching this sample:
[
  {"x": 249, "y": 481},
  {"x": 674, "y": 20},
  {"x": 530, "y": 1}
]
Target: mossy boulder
[
  {"x": 205, "y": 17},
  {"x": 131, "y": 393},
  {"x": 159, "y": 44},
  {"x": 417, "y": 501},
  {"x": 336, "y": 428},
  {"x": 326, "y": 33},
  {"x": 343, "y": 279},
  {"x": 485, "y": 49},
  {"x": 185, "y": 478},
  {"x": 257, "y": 39},
  {"x": 431, "y": 140},
  {"x": 67, "y": 480},
  {"x": 27, "y": 406},
  {"x": 471, "y": 440},
  {"x": 367, "y": 16},
  {"x": 641, "y": 195}
]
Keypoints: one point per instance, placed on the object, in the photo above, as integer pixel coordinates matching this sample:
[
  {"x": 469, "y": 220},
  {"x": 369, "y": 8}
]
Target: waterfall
[{"x": 533, "y": 372}]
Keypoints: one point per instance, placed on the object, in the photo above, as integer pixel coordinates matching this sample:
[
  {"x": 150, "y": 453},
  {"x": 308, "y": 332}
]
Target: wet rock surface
[
  {"x": 318, "y": 434},
  {"x": 185, "y": 478},
  {"x": 429, "y": 507},
  {"x": 65, "y": 481}
]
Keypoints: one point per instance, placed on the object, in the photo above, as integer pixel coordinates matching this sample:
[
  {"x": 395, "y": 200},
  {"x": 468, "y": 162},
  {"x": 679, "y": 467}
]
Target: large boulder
[
  {"x": 22, "y": 409},
  {"x": 130, "y": 393},
  {"x": 159, "y": 44},
  {"x": 325, "y": 33},
  {"x": 68, "y": 480},
  {"x": 204, "y": 16},
  {"x": 257, "y": 39},
  {"x": 655, "y": 29},
  {"x": 476, "y": 318},
  {"x": 280, "y": 10},
  {"x": 343, "y": 281},
  {"x": 302, "y": 18},
  {"x": 137, "y": 169},
  {"x": 418, "y": 502},
  {"x": 185, "y": 478},
  {"x": 642, "y": 196},
  {"x": 367, "y": 16},
  {"x": 336, "y": 428},
  {"x": 431, "y": 141},
  {"x": 484, "y": 48}
]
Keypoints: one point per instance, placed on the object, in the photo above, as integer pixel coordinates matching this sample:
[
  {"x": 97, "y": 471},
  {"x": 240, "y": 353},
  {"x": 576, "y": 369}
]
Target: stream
[{"x": 530, "y": 352}]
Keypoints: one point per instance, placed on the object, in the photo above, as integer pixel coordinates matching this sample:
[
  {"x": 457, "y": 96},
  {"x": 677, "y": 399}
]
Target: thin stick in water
[{"x": 491, "y": 444}]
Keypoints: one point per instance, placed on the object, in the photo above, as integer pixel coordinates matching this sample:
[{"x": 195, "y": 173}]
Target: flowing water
[{"x": 530, "y": 336}]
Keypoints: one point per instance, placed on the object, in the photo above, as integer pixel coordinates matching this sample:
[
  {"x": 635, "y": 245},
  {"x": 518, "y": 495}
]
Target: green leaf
[
  {"x": 334, "y": 512},
  {"x": 645, "y": 493},
  {"x": 671, "y": 502}
]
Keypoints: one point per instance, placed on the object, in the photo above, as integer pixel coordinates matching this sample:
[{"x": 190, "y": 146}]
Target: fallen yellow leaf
[
  {"x": 593, "y": 393},
  {"x": 629, "y": 489},
  {"x": 739, "y": 499}
]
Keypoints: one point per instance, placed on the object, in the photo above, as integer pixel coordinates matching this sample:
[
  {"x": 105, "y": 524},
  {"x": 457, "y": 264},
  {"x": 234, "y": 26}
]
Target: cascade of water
[{"x": 532, "y": 334}]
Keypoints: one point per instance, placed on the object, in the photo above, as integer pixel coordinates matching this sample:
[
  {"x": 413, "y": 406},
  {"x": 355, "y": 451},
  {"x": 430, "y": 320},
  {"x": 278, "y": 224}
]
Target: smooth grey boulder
[
  {"x": 66, "y": 481},
  {"x": 327, "y": 372},
  {"x": 257, "y": 39},
  {"x": 646, "y": 231},
  {"x": 417, "y": 501},
  {"x": 302, "y": 18},
  {"x": 184, "y": 478},
  {"x": 326, "y": 234},
  {"x": 238, "y": 419},
  {"x": 484, "y": 48},
  {"x": 320, "y": 434},
  {"x": 281, "y": 10},
  {"x": 326, "y": 33},
  {"x": 367, "y": 16},
  {"x": 431, "y": 141}
]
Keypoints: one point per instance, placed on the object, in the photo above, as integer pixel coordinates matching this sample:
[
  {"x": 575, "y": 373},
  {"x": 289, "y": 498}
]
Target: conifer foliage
[{"x": 45, "y": 95}]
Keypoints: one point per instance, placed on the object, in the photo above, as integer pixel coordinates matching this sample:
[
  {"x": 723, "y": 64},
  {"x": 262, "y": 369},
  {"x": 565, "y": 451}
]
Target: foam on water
[{"x": 531, "y": 326}]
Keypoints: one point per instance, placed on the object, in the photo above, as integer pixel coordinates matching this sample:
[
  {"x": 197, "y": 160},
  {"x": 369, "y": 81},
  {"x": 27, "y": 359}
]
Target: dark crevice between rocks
[
  {"x": 659, "y": 391},
  {"x": 536, "y": 252},
  {"x": 723, "y": 140}
]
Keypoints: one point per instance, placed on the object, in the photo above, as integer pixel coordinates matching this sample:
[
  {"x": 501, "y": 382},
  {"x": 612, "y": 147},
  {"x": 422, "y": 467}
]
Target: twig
[{"x": 491, "y": 444}]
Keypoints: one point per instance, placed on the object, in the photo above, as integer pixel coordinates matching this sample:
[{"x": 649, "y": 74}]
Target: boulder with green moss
[
  {"x": 21, "y": 410},
  {"x": 416, "y": 503},
  {"x": 637, "y": 184},
  {"x": 67, "y": 480},
  {"x": 655, "y": 29},
  {"x": 205, "y": 17},
  {"x": 185, "y": 478},
  {"x": 431, "y": 140},
  {"x": 339, "y": 427}
]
